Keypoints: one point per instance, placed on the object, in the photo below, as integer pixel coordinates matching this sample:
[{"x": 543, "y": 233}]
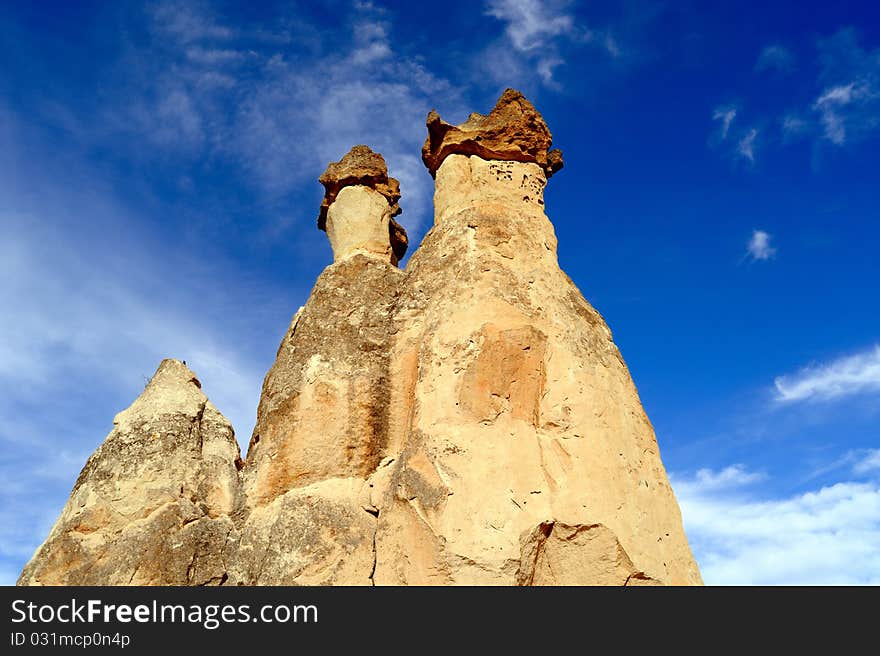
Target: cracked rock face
[
  {"x": 356, "y": 223},
  {"x": 512, "y": 131},
  {"x": 152, "y": 505}
]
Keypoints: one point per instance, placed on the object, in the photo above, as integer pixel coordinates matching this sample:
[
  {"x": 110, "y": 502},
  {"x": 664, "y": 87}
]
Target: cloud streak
[
  {"x": 537, "y": 33},
  {"x": 282, "y": 104},
  {"x": 775, "y": 58},
  {"x": 843, "y": 109},
  {"x": 847, "y": 376},
  {"x": 531, "y": 24},
  {"x": 725, "y": 115},
  {"x": 745, "y": 147}
]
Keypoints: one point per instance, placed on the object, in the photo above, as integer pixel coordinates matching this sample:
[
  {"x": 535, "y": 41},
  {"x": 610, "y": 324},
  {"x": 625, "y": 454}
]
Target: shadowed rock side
[
  {"x": 322, "y": 422},
  {"x": 152, "y": 504},
  {"x": 322, "y": 428}
]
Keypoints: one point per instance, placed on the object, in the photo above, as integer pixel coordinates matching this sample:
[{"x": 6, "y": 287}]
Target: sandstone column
[
  {"x": 525, "y": 456},
  {"x": 323, "y": 414}
]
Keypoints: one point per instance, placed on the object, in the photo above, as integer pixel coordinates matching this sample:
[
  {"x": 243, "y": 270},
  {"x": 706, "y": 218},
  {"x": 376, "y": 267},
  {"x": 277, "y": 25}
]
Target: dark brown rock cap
[
  {"x": 361, "y": 166},
  {"x": 513, "y": 130}
]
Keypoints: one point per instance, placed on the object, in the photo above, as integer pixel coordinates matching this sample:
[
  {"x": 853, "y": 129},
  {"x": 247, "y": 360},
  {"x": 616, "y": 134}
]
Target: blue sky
[{"x": 718, "y": 206}]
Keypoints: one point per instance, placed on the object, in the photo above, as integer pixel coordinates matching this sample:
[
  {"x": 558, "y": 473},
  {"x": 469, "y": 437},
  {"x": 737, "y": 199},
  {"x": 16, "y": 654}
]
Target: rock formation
[
  {"x": 153, "y": 504},
  {"x": 467, "y": 420}
]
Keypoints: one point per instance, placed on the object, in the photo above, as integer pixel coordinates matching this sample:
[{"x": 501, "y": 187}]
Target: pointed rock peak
[
  {"x": 361, "y": 166},
  {"x": 173, "y": 389},
  {"x": 174, "y": 372},
  {"x": 514, "y": 130}
]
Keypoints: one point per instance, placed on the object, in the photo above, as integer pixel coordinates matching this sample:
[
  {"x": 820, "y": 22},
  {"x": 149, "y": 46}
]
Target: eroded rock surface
[
  {"x": 512, "y": 131},
  {"x": 560, "y": 554},
  {"x": 325, "y": 404}
]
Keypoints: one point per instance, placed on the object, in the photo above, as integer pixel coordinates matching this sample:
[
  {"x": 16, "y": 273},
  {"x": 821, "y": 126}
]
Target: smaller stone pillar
[{"x": 359, "y": 206}]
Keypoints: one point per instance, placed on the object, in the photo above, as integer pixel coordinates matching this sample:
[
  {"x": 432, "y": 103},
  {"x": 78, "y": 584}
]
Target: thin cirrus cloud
[
  {"x": 530, "y": 24},
  {"x": 775, "y": 58},
  {"x": 745, "y": 147},
  {"x": 848, "y": 105},
  {"x": 536, "y": 33},
  {"x": 838, "y": 110},
  {"x": 299, "y": 97},
  {"x": 824, "y": 536},
  {"x": 741, "y": 142},
  {"x": 759, "y": 246},
  {"x": 725, "y": 116},
  {"x": 868, "y": 462},
  {"x": 846, "y": 376}
]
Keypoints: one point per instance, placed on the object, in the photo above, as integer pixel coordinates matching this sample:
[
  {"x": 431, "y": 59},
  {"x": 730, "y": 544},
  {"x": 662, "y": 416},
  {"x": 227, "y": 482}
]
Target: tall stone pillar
[{"x": 525, "y": 454}]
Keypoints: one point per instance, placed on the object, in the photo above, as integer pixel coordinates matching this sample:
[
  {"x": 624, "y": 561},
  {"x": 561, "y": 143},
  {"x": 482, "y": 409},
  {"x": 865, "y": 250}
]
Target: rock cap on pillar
[
  {"x": 514, "y": 131},
  {"x": 361, "y": 166}
]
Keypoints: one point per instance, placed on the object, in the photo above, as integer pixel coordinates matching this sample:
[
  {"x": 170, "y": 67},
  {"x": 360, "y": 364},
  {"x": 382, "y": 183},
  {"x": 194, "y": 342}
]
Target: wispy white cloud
[
  {"x": 732, "y": 476},
  {"x": 725, "y": 115},
  {"x": 833, "y": 106},
  {"x": 297, "y": 107},
  {"x": 823, "y": 536},
  {"x": 758, "y": 246},
  {"x": 775, "y": 58},
  {"x": 535, "y": 34},
  {"x": 843, "y": 109},
  {"x": 745, "y": 147},
  {"x": 189, "y": 20},
  {"x": 740, "y": 143},
  {"x": 851, "y": 87},
  {"x": 847, "y": 109},
  {"x": 794, "y": 126},
  {"x": 530, "y": 24},
  {"x": 869, "y": 461},
  {"x": 854, "y": 374}
]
